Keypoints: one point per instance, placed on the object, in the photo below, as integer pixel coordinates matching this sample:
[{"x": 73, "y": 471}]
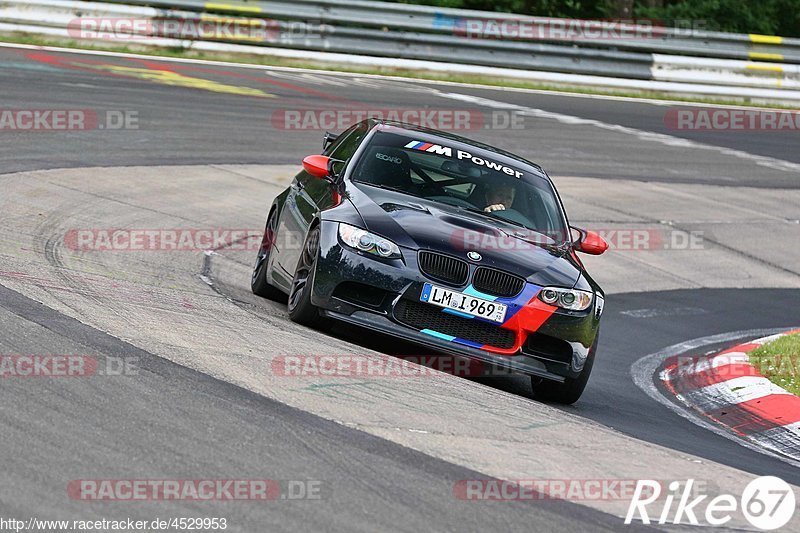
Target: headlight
[
  {"x": 571, "y": 299},
  {"x": 365, "y": 241}
]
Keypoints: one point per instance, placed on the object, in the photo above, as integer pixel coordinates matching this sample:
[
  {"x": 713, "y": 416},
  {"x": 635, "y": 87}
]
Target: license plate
[{"x": 464, "y": 303}]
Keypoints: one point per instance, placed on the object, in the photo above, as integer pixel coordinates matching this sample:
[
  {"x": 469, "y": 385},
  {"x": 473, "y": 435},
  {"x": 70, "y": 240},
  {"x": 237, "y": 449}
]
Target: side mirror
[
  {"x": 317, "y": 166},
  {"x": 589, "y": 242},
  {"x": 328, "y": 139}
]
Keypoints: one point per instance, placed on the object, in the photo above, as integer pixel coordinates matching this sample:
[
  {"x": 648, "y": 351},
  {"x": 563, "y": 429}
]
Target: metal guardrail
[
  {"x": 450, "y": 21},
  {"x": 423, "y": 33},
  {"x": 370, "y": 41}
]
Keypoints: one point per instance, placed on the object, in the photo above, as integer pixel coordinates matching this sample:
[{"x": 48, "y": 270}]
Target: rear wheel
[
  {"x": 301, "y": 310},
  {"x": 258, "y": 281},
  {"x": 571, "y": 390}
]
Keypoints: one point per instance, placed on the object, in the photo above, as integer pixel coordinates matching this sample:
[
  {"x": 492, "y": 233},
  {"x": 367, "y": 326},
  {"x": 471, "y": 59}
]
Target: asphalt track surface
[
  {"x": 175, "y": 422},
  {"x": 192, "y": 127}
]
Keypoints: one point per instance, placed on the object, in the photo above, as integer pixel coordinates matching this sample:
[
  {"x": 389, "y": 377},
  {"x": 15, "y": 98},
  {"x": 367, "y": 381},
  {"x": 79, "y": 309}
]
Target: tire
[
  {"x": 571, "y": 390},
  {"x": 301, "y": 310},
  {"x": 258, "y": 281}
]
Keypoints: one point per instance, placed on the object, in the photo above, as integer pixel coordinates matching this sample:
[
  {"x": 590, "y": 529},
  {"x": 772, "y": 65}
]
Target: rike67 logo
[{"x": 767, "y": 503}]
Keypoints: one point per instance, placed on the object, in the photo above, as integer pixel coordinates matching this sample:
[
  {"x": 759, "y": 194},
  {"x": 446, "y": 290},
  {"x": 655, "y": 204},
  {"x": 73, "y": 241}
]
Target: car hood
[{"x": 417, "y": 223}]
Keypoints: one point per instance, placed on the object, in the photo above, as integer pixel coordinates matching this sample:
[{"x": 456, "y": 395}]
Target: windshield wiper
[
  {"x": 493, "y": 217},
  {"x": 384, "y": 187}
]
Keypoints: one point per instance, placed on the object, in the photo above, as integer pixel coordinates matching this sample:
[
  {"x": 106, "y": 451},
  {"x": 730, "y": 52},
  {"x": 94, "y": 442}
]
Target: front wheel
[
  {"x": 301, "y": 310},
  {"x": 571, "y": 390},
  {"x": 258, "y": 281}
]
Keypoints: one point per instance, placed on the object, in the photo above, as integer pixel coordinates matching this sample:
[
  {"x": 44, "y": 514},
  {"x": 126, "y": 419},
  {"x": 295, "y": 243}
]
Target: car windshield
[{"x": 471, "y": 179}]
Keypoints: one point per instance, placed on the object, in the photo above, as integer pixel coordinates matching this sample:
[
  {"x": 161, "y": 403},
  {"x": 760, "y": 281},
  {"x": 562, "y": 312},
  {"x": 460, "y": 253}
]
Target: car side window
[
  {"x": 339, "y": 140},
  {"x": 347, "y": 146}
]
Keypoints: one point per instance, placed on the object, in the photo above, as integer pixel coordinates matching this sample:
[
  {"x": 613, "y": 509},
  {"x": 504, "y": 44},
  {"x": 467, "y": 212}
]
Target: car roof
[{"x": 391, "y": 125}]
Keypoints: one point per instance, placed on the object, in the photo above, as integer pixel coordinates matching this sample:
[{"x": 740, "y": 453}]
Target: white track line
[{"x": 667, "y": 140}]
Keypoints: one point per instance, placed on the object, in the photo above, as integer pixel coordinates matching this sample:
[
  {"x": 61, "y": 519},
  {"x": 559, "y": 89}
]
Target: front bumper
[{"x": 545, "y": 341}]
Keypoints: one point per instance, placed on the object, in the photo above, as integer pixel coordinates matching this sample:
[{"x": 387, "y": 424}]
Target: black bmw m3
[{"x": 445, "y": 242}]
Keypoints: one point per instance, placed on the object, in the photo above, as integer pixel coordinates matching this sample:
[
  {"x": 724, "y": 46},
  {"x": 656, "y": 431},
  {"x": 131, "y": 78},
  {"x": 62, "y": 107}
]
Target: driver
[{"x": 499, "y": 198}]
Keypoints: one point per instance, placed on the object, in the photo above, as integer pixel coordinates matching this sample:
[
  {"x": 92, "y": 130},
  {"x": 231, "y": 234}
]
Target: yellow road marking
[
  {"x": 232, "y": 7},
  {"x": 244, "y": 21},
  {"x": 759, "y": 56},
  {"x": 766, "y": 68},
  {"x": 179, "y": 80}
]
